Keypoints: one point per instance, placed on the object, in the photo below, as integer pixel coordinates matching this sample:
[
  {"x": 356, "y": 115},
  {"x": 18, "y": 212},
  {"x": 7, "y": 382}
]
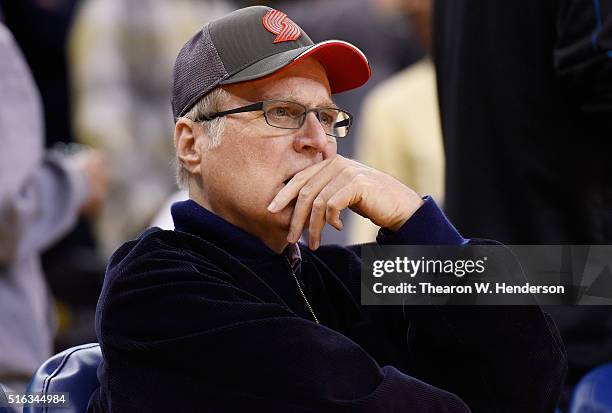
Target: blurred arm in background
[{"x": 41, "y": 196}]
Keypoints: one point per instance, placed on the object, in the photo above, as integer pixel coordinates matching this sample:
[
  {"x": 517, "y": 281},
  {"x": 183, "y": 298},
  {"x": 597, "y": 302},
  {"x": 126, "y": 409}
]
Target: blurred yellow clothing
[
  {"x": 121, "y": 56},
  {"x": 400, "y": 134}
]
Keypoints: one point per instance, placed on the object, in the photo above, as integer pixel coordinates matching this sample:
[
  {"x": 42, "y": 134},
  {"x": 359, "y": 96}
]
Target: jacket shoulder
[
  {"x": 156, "y": 242},
  {"x": 161, "y": 255}
]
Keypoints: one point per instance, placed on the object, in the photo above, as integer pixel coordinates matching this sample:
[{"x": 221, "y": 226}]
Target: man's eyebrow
[{"x": 291, "y": 97}]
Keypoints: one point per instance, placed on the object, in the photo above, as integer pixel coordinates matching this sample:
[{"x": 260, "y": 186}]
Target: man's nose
[{"x": 312, "y": 137}]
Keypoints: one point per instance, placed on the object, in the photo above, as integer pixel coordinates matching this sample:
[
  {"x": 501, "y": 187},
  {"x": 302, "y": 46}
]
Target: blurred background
[{"x": 499, "y": 110}]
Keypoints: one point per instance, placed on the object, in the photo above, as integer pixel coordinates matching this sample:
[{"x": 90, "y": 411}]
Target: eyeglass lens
[{"x": 291, "y": 115}]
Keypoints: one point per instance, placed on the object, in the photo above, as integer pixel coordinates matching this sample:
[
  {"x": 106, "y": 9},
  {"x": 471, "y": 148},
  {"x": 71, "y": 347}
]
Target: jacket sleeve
[
  {"x": 44, "y": 208},
  {"x": 496, "y": 358},
  {"x": 167, "y": 321}
]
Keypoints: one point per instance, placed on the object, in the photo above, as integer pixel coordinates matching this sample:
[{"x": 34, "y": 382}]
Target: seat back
[
  {"x": 593, "y": 393},
  {"x": 73, "y": 371}
]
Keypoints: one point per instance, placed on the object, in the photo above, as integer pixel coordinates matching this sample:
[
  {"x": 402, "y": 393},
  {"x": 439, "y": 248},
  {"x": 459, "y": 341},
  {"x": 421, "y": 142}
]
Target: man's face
[{"x": 243, "y": 174}]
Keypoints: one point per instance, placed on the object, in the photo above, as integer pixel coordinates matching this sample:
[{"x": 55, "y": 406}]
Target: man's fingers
[
  {"x": 298, "y": 218},
  {"x": 313, "y": 187},
  {"x": 308, "y": 198},
  {"x": 293, "y": 187},
  {"x": 305, "y": 197},
  {"x": 319, "y": 215},
  {"x": 344, "y": 198},
  {"x": 333, "y": 218},
  {"x": 317, "y": 222}
]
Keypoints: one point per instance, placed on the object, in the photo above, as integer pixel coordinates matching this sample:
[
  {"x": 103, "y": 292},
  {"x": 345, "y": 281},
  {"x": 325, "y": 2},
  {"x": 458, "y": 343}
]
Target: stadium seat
[
  {"x": 593, "y": 393},
  {"x": 72, "y": 371}
]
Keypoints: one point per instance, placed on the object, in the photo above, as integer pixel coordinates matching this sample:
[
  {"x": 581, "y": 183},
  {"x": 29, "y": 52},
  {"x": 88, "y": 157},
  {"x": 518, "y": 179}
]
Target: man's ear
[{"x": 185, "y": 142}]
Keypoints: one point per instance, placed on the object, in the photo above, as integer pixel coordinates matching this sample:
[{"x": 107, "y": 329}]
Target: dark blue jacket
[{"x": 206, "y": 318}]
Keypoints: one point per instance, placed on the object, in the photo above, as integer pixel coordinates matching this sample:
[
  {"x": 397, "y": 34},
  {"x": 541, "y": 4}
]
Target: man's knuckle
[
  {"x": 318, "y": 204},
  {"x": 360, "y": 178},
  {"x": 305, "y": 192},
  {"x": 332, "y": 206}
]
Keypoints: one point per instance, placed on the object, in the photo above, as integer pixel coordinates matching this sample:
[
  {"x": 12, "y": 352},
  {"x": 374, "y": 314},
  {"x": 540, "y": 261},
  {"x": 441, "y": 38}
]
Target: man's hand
[{"x": 326, "y": 188}]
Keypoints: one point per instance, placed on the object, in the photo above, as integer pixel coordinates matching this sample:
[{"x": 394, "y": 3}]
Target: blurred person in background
[
  {"x": 121, "y": 55},
  {"x": 525, "y": 92},
  {"x": 400, "y": 125},
  {"x": 73, "y": 266},
  {"x": 42, "y": 194}
]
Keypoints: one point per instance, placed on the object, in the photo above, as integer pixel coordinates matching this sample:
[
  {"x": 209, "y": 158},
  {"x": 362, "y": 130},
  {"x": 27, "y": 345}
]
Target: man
[{"x": 229, "y": 313}]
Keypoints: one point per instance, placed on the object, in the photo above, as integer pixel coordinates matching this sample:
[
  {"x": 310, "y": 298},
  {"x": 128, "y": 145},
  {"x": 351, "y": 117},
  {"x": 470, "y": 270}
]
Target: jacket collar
[{"x": 194, "y": 219}]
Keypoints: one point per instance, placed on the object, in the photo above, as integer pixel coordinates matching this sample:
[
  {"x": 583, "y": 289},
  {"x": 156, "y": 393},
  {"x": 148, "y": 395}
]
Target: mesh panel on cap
[{"x": 198, "y": 70}]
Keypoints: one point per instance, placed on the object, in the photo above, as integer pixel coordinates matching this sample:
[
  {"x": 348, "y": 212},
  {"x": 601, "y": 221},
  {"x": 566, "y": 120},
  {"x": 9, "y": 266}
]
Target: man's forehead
[{"x": 297, "y": 97}]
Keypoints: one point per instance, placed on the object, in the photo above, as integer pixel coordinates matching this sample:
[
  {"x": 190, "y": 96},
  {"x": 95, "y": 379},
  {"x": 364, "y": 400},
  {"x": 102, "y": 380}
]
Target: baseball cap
[{"x": 254, "y": 42}]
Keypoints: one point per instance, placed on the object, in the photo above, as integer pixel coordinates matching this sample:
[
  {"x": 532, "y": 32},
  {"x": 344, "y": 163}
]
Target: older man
[{"x": 229, "y": 313}]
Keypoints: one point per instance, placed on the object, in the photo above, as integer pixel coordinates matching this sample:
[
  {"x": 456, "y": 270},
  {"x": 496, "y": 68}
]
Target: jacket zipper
[{"x": 297, "y": 282}]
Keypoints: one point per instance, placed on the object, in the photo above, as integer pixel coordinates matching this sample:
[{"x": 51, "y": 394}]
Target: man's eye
[
  {"x": 326, "y": 119},
  {"x": 280, "y": 112}
]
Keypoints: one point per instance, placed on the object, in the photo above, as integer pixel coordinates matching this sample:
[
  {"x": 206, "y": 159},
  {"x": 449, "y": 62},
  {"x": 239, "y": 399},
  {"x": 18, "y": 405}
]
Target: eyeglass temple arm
[{"x": 248, "y": 108}]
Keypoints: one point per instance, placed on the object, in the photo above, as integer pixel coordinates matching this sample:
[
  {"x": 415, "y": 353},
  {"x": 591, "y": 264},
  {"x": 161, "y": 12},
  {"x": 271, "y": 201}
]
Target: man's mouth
[{"x": 286, "y": 181}]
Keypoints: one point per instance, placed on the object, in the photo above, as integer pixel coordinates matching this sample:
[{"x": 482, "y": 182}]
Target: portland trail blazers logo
[{"x": 278, "y": 23}]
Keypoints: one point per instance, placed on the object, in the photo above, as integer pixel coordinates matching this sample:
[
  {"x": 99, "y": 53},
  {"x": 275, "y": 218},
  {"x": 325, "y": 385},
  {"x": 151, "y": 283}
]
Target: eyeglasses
[{"x": 285, "y": 114}]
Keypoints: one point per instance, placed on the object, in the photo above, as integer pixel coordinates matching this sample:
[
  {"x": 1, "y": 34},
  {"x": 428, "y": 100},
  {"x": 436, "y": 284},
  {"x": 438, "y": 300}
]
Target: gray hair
[{"x": 213, "y": 128}]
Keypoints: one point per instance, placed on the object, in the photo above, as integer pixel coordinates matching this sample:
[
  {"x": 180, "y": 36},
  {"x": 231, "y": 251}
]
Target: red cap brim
[{"x": 346, "y": 66}]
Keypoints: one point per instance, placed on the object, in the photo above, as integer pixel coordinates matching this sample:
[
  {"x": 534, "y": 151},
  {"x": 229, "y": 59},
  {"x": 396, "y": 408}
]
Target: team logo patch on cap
[{"x": 277, "y": 22}]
